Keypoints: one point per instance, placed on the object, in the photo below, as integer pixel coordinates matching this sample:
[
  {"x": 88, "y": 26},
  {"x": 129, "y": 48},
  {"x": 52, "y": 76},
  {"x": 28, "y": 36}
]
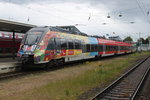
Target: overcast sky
[{"x": 90, "y": 15}]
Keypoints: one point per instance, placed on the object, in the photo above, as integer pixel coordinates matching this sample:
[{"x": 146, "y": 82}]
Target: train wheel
[
  {"x": 59, "y": 62},
  {"x": 55, "y": 63},
  {"x": 50, "y": 64}
]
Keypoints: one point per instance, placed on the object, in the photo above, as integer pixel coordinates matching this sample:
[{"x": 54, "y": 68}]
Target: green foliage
[
  {"x": 67, "y": 92},
  {"x": 128, "y": 39},
  {"x": 148, "y": 38},
  {"x": 144, "y": 41}
]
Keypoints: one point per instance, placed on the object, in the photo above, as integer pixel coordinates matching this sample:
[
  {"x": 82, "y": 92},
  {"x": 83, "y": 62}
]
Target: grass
[{"x": 103, "y": 72}]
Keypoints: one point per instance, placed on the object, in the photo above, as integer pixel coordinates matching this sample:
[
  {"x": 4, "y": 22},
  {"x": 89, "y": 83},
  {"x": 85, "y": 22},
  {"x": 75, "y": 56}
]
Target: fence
[{"x": 144, "y": 47}]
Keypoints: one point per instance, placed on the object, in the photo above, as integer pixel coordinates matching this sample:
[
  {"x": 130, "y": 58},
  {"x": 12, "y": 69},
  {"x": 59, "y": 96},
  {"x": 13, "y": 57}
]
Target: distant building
[
  {"x": 116, "y": 38},
  {"x": 72, "y": 30}
]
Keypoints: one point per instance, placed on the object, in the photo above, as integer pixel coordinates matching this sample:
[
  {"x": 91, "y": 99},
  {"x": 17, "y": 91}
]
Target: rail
[{"x": 119, "y": 89}]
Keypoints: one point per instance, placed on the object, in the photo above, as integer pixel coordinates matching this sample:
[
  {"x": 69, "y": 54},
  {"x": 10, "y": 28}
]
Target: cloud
[{"x": 71, "y": 12}]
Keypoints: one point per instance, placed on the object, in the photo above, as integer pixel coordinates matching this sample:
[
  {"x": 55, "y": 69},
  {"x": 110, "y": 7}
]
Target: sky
[{"x": 89, "y": 16}]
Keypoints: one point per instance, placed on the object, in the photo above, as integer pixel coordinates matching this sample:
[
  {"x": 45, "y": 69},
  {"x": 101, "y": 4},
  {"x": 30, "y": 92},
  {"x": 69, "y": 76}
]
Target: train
[
  {"x": 7, "y": 45},
  {"x": 57, "y": 45}
]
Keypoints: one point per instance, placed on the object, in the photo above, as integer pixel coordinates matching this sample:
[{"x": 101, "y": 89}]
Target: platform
[{"x": 8, "y": 65}]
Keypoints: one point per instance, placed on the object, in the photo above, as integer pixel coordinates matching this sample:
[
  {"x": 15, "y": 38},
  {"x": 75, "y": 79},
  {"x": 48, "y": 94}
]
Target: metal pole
[
  {"x": 13, "y": 48},
  {"x": 149, "y": 45},
  {"x": 140, "y": 42}
]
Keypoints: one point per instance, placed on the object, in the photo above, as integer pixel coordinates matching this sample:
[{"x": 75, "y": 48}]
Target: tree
[
  {"x": 142, "y": 40},
  {"x": 128, "y": 39},
  {"x": 147, "y": 40}
]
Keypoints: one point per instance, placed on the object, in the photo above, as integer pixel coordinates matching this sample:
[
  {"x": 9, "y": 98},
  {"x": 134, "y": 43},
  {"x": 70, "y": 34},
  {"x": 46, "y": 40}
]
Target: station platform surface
[{"x": 8, "y": 64}]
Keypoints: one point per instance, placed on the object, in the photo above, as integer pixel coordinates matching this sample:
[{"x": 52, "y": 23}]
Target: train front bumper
[{"x": 25, "y": 58}]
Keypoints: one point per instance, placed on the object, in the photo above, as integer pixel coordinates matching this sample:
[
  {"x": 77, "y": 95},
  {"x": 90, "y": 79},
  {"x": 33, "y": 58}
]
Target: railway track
[
  {"x": 19, "y": 72},
  {"x": 12, "y": 75},
  {"x": 128, "y": 85}
]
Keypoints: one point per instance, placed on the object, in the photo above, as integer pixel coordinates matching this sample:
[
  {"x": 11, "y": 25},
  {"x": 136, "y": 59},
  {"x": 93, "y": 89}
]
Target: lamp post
[
  {"x": 140, "y": 43},
  {"x": 149, "y": 45}
]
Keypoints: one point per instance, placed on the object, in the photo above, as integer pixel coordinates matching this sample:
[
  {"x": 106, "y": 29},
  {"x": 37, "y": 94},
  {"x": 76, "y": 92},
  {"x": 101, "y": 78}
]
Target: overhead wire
[{"x": 142, "y": 10}]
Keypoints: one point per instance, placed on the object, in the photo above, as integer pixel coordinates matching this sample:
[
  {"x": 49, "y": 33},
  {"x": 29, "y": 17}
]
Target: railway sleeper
[
  {"x": 120, "y": 93},
  {"x": 123, "y": 90},
  {"x": 127, "y": 88},
  {"x": 115, "y": 98}
]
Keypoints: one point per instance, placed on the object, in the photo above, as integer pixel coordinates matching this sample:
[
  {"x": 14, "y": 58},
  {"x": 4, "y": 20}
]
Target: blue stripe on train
[
  {"x": 93, "y": 53},
  {"x": 93, "y": 41}
]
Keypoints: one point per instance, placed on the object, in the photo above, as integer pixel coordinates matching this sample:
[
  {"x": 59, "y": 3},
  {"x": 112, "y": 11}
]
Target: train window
[
  {"x": 127, "y": 48},
  {"x": 100, "y": 48},
  {"x": 80, "y": 45},
  {"x": 92, "y": 47},
  {"x": 112, "y": 48},
  {"x": 120, "y": 47},
  {"x": 107, "y": 49},
  {"x": 1, "y": 50},
  {"x": 96, "y": 47},
  {"x": 63, "y": 44},
  {"x": 70, "y": 44},
  {"x": 88, "y": 48},
  {"x": 57, "y": 43},
  {"x": 116, "y": 48},
  {"x": 77, "y": 44},
  {"x": 16, "y": 49},
  {"x": 19, "y": 37},
  {"x": 51, "y": 45},
  {"x": 6, "y": 36},
  {"x": 7, "y": 50},
  {"x": 83, "y": 48}
]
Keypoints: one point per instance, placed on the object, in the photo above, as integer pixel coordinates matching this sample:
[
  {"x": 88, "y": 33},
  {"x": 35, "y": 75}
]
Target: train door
[
  {"x": 104, "y": 49},
  {"x": 57, "y": 43},
  {"x": 50, "y": 50},
  {"x": 119, "y": 48},
  {"x": 83, "y": 49}
]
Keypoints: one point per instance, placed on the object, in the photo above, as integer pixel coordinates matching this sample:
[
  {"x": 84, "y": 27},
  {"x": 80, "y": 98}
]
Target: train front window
[{"x": 33, "y": 37}]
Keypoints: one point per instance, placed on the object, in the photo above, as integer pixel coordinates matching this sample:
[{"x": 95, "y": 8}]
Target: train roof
[
  {"x": 74, "y": 30},
  {"x": 112, "y": 42},
  {"x": 69, "y": 30}
]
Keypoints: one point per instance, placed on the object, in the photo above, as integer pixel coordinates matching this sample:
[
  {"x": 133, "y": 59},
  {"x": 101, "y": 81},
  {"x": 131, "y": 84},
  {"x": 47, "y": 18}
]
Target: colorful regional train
[
  {"x": 6, "y": 43},
  {"x": 57, "y": 45}
]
